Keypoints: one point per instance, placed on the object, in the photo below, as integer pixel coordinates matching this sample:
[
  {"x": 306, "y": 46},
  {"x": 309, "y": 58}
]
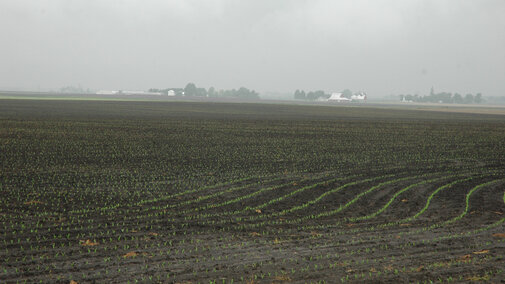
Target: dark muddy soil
[{"x": 122, "y": 192}]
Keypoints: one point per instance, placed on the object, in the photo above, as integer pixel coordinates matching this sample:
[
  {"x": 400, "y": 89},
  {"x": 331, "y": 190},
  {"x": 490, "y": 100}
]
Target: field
[{"x": 190, "y": 192}]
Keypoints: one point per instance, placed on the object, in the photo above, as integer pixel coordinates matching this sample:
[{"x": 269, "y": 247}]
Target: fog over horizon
[{"x": 381, "y": 47}]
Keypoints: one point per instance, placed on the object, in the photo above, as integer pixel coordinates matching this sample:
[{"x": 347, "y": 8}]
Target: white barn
[{"x": 338, "y": 97}]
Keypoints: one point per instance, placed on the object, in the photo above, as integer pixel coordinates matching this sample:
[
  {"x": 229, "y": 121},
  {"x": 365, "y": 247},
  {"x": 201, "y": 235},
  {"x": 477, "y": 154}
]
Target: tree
[
  {"x": 468, "y": 99},
  {"x": 299, "y": 95},
  {"x": 478, "y": 98},
  {"x": 201, "y": 92},
  {"x": 347, "y": 93},
  {"x": 190, "y": 90},
  {"x": 320, "y": 94},
  {"x": 458, "y": 99},
  {"x": 445, "y": 97},
  {"x": 212, "y": 92},
  {"x": 312, "y": 96},
  {"x": 254, "y": 95},
  {"x": 242, "y": 92},
  {"x": 245, "y": 93}
]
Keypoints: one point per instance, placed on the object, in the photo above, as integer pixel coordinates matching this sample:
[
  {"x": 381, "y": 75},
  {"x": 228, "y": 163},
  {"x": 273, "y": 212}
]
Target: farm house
[{"x": 361, "y": 96}]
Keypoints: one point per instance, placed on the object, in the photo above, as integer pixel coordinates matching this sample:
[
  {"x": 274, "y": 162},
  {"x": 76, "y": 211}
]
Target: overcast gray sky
[{"x": 382, "y": 47}]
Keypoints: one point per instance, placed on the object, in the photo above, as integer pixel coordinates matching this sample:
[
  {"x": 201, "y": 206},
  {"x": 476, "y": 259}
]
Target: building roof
[{"x": 338, "y": 97}]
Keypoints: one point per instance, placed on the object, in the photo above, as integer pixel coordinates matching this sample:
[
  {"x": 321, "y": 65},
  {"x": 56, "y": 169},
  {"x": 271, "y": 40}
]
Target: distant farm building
[
  {"x": 104, "y": 92},
  {"x": 361, "y": 96},
  {"x": 405, "y": 100},
  {"x": 174, "y": 92},
  {"x": 338, "y": 97}
]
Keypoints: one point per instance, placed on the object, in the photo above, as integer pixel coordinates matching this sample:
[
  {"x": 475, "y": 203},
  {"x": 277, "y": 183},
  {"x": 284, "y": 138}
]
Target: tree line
[
  {"x": 444, "y": 97},
  {"x": 191, "y": 90}
]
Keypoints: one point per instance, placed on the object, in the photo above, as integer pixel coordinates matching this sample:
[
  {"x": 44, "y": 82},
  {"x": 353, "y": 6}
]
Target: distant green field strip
[{"x": 7, "y": 97}]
